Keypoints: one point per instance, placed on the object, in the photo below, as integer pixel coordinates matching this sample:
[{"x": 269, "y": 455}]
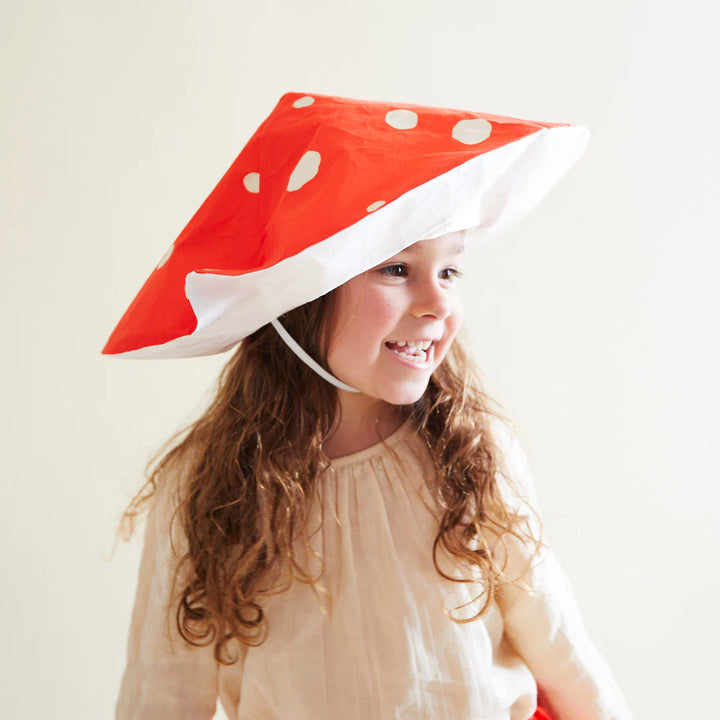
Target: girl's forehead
[{"x": 449, "y": 244}]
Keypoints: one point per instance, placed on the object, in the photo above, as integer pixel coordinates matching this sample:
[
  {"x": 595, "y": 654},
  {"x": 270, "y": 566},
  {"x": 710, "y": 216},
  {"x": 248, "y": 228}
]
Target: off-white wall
[{"x": 595, "y": 321}]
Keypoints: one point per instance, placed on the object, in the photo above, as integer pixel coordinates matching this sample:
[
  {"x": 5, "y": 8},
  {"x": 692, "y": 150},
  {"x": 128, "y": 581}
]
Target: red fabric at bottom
[{"x": 541, "y": 714}]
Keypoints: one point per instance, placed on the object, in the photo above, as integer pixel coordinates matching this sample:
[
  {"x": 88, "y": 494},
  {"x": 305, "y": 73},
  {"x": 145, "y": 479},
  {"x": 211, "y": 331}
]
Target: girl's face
[{"x": 395, "y": 323}]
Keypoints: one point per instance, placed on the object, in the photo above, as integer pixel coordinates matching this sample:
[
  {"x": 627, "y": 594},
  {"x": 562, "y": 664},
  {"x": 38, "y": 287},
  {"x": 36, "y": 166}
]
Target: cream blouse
[{"x": 378, "y": 645}]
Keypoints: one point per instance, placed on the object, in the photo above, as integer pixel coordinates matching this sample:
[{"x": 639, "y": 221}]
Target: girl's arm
[
  {"x": 545, "y": 626},
  {"x": 164, "y": 676}
]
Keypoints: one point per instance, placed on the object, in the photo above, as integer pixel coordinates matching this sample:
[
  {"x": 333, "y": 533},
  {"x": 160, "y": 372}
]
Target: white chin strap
[{"x": 290, "y": 342}]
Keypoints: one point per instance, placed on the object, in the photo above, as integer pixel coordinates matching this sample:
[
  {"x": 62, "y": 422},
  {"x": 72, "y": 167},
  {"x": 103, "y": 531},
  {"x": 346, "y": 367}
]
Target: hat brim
[{"x": 481, "y": 195}]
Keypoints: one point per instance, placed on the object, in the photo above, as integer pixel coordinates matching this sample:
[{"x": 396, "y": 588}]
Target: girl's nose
[{"x": 431, "y": 299}]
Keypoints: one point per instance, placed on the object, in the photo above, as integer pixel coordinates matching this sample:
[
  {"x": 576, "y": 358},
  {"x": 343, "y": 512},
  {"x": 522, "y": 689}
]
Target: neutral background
[{"x": 596, "y": 320}]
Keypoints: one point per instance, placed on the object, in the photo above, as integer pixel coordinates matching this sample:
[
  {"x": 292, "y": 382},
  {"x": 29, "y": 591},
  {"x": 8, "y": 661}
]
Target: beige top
[{"x": 384, "y": 649}]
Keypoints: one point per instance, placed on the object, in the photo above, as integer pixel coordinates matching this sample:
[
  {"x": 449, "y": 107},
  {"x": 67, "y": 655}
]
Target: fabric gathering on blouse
[{"x": 379, "y": 643}]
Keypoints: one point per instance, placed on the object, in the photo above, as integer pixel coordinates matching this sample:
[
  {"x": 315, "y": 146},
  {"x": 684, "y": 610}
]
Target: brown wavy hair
[{"x": 244, "y": 473}]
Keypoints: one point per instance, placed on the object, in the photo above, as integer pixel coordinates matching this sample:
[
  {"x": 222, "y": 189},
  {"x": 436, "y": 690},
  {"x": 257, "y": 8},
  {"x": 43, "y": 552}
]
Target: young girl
[{"x": 350, "y": 529}]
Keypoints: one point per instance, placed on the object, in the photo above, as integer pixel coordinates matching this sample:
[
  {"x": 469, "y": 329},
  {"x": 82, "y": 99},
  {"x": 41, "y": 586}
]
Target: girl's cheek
[
  {"x": 379, "y": 312},
  {"x": 460, "y": 323},
  {"x": 458, "y": 316}
]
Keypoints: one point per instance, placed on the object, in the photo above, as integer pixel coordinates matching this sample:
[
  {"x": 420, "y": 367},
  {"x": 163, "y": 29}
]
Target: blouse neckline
[{"x": 378, "y": 448}]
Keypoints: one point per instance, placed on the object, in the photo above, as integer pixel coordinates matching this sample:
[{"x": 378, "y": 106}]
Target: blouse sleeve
[
  {"x": 544, "y": 624},
  {"x": 164, "y": 677}
]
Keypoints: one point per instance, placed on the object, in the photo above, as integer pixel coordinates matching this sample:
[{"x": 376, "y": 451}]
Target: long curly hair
[{"x": 244, "y": 473}]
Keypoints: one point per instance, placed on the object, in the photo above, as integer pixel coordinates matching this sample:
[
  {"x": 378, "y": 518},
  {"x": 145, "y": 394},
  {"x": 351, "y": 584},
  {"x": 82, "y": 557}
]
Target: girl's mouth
[{"x": 415, "y": 352}]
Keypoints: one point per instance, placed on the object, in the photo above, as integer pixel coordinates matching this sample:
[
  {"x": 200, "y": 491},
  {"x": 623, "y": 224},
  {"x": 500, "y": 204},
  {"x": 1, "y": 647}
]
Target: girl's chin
[
  {"x": 393, "y": 388},
  {"x": 391, "y": 396},
  {"x": 406, "y": 395}
]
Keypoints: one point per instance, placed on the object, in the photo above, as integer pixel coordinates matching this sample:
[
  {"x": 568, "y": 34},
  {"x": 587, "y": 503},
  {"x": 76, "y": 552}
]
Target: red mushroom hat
[{"x": 325, "y": 189}]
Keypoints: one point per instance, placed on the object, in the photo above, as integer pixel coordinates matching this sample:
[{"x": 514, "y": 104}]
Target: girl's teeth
[
  {"x": 419, "y": 356},
  {"x": 412, "y": 344},
  {"x": 415, "y": 350}
]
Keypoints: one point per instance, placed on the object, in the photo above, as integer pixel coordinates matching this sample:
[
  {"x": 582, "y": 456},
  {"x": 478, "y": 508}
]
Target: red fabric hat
[{"x": 325, "y": 189}]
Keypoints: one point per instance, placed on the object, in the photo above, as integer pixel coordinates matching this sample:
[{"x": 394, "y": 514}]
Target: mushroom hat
[{"x": 327, "y": 188}]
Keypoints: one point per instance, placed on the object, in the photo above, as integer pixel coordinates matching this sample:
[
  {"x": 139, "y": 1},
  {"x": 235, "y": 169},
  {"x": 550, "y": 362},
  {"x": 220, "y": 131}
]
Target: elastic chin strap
[{"x": 290, "y": 342}]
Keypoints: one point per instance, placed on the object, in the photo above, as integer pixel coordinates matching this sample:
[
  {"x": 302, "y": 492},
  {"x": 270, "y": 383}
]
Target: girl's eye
[
  {"x": 399, "y": 270},
  {"x": 396, "y": 270},
  {"x": 451, "y": 273}
]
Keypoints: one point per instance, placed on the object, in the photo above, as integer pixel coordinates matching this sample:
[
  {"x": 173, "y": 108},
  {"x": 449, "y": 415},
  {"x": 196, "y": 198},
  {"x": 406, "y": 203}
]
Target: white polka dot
[
  {"x": 374, "y": 206},
  {"x": 402, "y": 119},
  {"x": 304, "y": 101},
  {"x": 305, "y": 170},
  {"x": 165, "y": 257},
  {"x": 472, "y": 131},
  {"x": 252, "y": 182}
]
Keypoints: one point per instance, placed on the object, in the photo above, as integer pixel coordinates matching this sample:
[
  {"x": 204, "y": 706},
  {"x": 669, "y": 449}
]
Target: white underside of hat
[{"x": 481, "y": 195}]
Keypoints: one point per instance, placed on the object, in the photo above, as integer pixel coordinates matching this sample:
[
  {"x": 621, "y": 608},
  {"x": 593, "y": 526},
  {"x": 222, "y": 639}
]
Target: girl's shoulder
[
  {"x": 514, "y": 477},
  {"x": 504, "y": 433},
  {"x": 172, "y": 479},
  {"x": 506, "y": 440}
]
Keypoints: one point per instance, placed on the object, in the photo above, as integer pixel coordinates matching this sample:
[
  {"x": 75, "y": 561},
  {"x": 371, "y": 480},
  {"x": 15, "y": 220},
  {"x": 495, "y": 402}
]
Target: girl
[{"x": 350, "y": 529}]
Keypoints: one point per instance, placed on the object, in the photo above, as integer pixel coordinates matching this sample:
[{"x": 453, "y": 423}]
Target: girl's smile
[
  {"x": 395, "y": 323},
  {"x": 418, "y": 353}
]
